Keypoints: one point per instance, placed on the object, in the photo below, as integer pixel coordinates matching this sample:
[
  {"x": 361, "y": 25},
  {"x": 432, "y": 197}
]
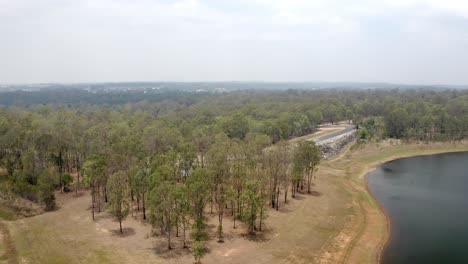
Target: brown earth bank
[{"x": 339, "y": 223}]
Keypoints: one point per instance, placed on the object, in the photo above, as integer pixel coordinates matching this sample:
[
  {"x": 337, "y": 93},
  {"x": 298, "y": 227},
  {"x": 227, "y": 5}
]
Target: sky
[{"x": 397, "y": 41}]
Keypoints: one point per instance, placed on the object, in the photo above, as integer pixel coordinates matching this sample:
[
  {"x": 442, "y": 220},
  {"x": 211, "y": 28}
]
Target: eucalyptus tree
[
  {"x": 62, "y": 138},
  {"x": 162, "y": 201},
  {"x": 202, "y": 138},
  {"x": 197, "y": 251},
  {"x": 94, "y": 170},
  {"x": 187, "y": 158},
  {"x": 182, "y": 210},
  {"x": 307, "y": 157},
  {"x": 238, "y": 167},
  {"x": 198, "y": 190},
  {"x": 252, "y": 198},
  {"x": 284, "y": 166},
  {"x": 218, "y": 157},
  {"x": 119, "y": 203},
  {"x": 140, "y": 185},
  {"x": 272, "y": 165},
  {"x": 46, "y": 186}
]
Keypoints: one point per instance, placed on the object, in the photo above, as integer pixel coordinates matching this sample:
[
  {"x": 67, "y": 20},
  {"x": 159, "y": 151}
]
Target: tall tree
[
  {"x": 198, "y": 189},
  {"x": 140, "y": 184},
  {"x": 182, "y": 210},
  {"x": 94, "y": 170},
  {"x": 219, "y": 165},
  {"x": 307, "y": 157},
  {"x": 163, "y": 201},
  {"x": 118, "y": 196}
]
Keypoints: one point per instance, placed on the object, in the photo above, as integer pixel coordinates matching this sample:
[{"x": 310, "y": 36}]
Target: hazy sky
[{"x": 404, "y": 41}]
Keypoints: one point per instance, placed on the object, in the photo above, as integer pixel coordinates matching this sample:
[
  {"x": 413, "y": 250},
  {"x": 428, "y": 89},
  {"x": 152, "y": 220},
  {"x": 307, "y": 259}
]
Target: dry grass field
[{"x": 338, "y": 223}]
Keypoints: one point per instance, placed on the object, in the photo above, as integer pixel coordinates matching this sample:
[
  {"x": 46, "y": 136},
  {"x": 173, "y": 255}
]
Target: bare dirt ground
[{"x": 338, "y": 223}]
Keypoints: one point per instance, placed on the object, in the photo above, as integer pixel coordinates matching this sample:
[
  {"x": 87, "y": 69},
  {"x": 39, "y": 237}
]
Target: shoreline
[
  {"x": 388, "y": 235},
  {"x": 386, "y": 238}
]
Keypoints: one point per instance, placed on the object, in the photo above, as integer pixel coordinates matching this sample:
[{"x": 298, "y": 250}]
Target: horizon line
[{"x": 236, "y": 81}]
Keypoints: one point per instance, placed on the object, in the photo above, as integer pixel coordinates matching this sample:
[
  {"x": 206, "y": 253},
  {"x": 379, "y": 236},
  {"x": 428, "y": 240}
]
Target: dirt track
[{"x": 7, "y": 248}]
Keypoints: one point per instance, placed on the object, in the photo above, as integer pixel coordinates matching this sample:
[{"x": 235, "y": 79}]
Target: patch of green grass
[
  {"x": 7, "y": 214},
  {"x": 101, "y": 256},
  {"x": 370, "y": 200},
  {"x": 3, "y": 258},
  {"x": 409, "y": 150}
]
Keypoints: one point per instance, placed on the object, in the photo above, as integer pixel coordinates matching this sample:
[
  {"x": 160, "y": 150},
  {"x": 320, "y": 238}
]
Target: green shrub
[{"x": 46, "y": 190}]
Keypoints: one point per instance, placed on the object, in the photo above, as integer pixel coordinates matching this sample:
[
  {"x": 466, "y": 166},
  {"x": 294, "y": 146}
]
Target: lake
[{"x": 426, "y": 198}]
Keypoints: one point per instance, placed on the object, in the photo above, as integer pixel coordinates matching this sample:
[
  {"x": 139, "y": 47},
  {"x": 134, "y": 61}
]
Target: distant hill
[
  {"x": 215, "y": 86},
  {"x": 132, "y": 92}
]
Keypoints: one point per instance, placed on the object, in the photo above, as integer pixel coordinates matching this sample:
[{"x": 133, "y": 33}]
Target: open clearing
[
  {"x": 338, "y": 223},
  {"x": 321, "y": 131}
]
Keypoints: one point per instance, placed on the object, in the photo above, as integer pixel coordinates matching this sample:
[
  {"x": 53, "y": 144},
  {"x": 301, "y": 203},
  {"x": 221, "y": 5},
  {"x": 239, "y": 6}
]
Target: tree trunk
[
  {"x": 202, "y": 160},
  {"x": 77, "y": 181},
  {"x": 93, "y": 199},
  {"x": 183, "y": 224},
  {"x": 233, "y": 214},
  {"x": 143, "y": 203},
  {"x": 60, "y": 165},
  {"x": 277, "y": 199},
  {"x": 62, "y": 186},
  {"x": 169, "y": 238},
  {"x": 260, "y": 220},
  {"x": 138, "y": 202},
  {"x": 273, "y": 194},
  {"x": 238, "y": 202},
  {"x": 99, "y": 198},
  {"x": 120, "y": 223},
  {"x": 220, "y": 221},
  {"x": 105, "y": 193},
  {"x": 77, "y": 166},
  {"x": 211, "y": 205}
]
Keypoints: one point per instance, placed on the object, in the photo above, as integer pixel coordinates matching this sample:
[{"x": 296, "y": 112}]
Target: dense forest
[{"x": 172, "y": 156}]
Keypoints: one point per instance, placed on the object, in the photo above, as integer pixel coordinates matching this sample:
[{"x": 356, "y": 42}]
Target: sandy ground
[{"x": 339, "y": 223}]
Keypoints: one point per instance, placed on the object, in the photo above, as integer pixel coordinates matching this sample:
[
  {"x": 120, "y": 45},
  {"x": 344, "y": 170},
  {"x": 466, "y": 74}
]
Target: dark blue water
[{"x": 426, "y": 198}]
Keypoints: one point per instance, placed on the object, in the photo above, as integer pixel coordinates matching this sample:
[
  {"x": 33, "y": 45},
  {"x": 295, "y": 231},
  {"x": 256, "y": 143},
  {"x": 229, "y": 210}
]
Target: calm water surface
[{"x": 426, "y": 198}]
